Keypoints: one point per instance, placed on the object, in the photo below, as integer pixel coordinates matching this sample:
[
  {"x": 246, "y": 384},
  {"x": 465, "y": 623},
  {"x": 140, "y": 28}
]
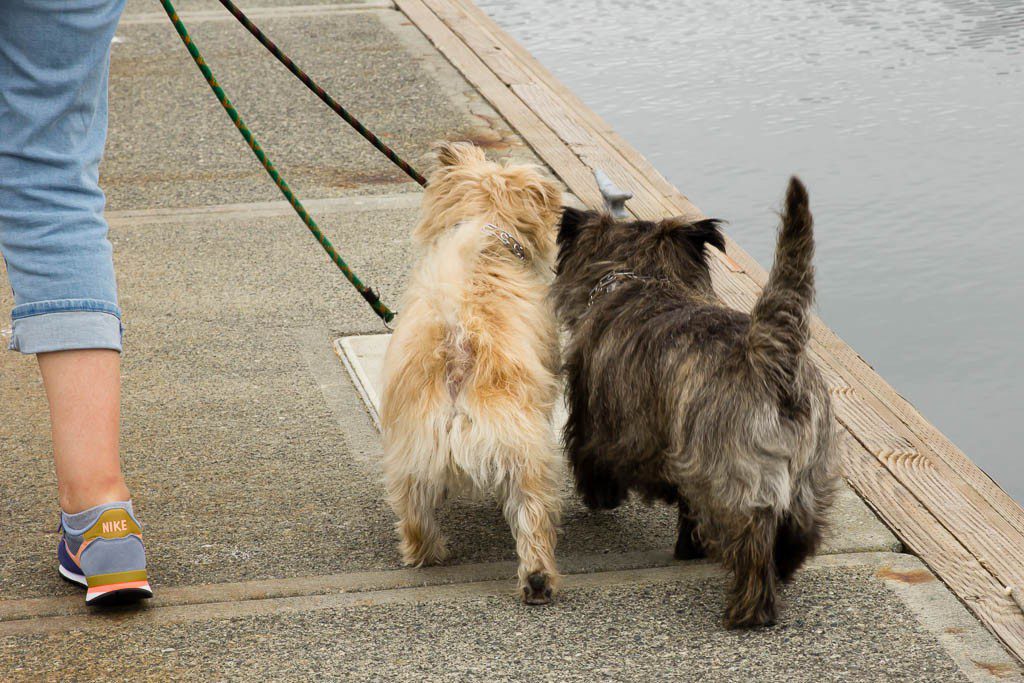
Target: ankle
[{"x": 74, "y": 499}]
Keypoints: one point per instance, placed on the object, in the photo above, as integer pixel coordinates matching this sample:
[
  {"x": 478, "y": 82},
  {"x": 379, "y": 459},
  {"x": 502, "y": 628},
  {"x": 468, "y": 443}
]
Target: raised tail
[{"x": 780, "y": 322}]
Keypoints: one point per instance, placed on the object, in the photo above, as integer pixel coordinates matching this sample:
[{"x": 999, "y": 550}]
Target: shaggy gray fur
[{"x": 678, "y": 397}]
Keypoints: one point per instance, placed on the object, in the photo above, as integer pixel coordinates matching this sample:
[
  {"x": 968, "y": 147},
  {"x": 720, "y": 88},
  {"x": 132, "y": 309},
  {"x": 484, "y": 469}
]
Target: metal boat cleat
[{"x": 614, "y": 198}]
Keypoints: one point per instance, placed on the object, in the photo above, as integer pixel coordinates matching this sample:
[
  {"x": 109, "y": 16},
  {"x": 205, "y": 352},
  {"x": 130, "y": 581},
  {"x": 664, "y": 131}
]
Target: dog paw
[
  {"x": 688, "y": 549},
  {"x": 539, "y": 589},
  {"x": 603, "y": 500},
  {"x": 745, "y": 618},
  {"x": 420, "y": 555}
]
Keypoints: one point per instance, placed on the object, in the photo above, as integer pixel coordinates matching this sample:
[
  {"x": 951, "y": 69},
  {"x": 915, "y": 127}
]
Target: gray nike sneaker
[{"x": 101, "y": 549}]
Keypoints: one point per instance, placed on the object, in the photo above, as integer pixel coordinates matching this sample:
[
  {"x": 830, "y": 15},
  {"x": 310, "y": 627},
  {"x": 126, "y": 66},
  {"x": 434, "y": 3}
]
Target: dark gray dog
[{"x": 678, "y": 397}]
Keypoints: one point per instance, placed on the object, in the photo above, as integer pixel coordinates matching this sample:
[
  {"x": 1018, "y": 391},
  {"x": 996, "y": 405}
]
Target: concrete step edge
[
  {"x": 366, "y": 582},
  {"x": 250, "y": 210},
  {"x": 133, "y": 18}
]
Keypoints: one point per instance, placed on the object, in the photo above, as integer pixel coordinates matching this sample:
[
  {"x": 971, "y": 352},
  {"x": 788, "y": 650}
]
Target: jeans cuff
[{"x": 66, "y": 325}]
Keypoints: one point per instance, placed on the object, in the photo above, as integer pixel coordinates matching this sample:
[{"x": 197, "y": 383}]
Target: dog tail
[{"x": 780, "y": 322}]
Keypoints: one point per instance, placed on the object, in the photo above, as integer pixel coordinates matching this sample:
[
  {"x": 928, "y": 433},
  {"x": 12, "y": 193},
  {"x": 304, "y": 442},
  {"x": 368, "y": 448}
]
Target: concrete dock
[{"x": 254, "y": 457}]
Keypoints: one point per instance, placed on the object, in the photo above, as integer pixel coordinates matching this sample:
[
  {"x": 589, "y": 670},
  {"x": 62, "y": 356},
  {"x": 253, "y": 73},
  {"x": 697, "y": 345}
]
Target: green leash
[{"x": 386, "y": 314}]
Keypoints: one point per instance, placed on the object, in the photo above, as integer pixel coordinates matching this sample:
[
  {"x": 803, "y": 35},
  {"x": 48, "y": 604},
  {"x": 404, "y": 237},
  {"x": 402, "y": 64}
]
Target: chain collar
[
  {"x": 507, "y": 239},
  {"x": 611, "y": 282}
]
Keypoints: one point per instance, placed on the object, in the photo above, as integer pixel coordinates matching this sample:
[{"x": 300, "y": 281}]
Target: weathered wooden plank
[
  {"x": 958, "y": 507},
  {"x": 954, "y": 503},
  {"x": 547, "y": 145},
  {"x": 505, "y": 64},
  {"x": 837, "y": 384},
  {"x": 874, "y": 433},
  {"x": 582, "y": 142},
  {"x": 936, "y": 442},
  {"x": 592, "y": 148},
  {"x": 934, "y": 544}
]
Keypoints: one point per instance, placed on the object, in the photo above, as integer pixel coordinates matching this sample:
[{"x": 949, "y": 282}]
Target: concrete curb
[{"x": 260, "y": 12}]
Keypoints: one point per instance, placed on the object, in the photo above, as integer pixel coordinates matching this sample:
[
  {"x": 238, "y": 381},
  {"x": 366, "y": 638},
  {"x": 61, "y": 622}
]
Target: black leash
[{"x": 321, "y": 93}]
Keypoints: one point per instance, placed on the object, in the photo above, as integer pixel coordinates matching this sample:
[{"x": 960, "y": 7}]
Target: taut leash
[
  {"x": 386, "y": 314},
  {"x": 321, "y": 93}
]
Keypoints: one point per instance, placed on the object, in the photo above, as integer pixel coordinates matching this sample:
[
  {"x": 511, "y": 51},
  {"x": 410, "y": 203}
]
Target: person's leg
[
  {"x": 54, "y": 60},
  {"x": 54, "y": 63},
  {"x": 83, "y": 388}
]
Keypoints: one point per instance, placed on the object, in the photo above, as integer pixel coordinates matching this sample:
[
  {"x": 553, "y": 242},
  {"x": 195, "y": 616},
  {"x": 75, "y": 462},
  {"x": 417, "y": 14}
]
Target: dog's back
[{"x": 473, "y": 363}]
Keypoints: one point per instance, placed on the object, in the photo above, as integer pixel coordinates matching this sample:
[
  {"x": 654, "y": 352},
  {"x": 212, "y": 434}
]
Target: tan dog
[{"x": 471, "y": 371}]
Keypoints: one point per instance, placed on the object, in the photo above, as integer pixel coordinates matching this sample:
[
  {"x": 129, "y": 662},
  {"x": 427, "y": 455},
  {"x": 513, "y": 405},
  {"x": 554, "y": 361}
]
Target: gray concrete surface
[
  {"x": 632, "y": 626},
  {"x": 172, "y": 145},
  {"x": 254, "y": 462}
]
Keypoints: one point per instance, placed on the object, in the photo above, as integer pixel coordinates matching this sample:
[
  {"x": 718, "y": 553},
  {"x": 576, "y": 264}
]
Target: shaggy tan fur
[{"x": 471, "y": 371}]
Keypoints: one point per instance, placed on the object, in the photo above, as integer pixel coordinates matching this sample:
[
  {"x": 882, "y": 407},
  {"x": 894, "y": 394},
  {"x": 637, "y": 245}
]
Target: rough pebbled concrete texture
[
  {"x": 137, "y": 7},
  {"x": 171, "y": 144},
  {"x": 838, "y": 624}
]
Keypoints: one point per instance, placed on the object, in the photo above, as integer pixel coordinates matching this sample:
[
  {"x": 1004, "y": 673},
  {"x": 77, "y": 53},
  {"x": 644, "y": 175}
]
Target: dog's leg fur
[
  {"x": 794, "y": 543},
  {"x": 748, "y": 551},
  {"x": 532, "y": 509},
  {"x": 414, "y": 500},
  {"x": 801, "y": 530},
  {"x": 599, "y": 487},
  {"x": 688, "y": 544}
]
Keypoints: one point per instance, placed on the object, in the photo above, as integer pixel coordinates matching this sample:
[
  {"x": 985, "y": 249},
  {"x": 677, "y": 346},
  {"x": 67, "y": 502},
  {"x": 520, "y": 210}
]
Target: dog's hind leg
[
  {"x": 414, "y": 500},
  {"x": 801, "y": 529},
  {"x": 599, "y": 488},
  {"x": 532, "y": 507},
  {"x": 748, "y": 550},
  {"x": 688, "y": 544},
  {"x": 794, "y": 543}
]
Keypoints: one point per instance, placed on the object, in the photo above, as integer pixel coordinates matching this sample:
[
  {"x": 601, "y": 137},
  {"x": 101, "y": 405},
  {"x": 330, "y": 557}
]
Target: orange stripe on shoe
[
  {"x": 77, "y": 557},
  {"x": 101, "y": 590}
]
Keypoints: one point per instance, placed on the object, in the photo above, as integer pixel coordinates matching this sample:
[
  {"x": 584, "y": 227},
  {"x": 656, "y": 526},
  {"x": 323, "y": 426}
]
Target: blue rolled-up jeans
[{"x": 54, "y": 67}]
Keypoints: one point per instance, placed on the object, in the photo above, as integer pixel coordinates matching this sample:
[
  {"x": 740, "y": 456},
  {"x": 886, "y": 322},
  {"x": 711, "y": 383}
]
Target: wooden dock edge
[{"x": 939, "y": 503}]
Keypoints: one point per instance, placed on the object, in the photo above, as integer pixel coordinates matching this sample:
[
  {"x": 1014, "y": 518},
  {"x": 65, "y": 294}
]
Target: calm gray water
[{"x": 905, "y": 121}]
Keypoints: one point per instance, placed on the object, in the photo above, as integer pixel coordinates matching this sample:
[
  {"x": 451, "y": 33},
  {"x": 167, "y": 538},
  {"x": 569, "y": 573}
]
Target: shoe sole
[
  {"x": 71, "y": 576},
  {"x": 119, "y": 596},
  {"x": 99, "y": 596}
]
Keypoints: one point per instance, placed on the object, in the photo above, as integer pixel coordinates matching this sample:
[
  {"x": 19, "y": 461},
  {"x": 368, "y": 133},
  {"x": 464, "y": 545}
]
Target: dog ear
[
  {"x": 695, "y": 236},
  {"x": 707, "y": 232},
  {"x": 545, "y": 193},
  {"x": 572, "y": 220},
  {"x": 455, "y": 153}
]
